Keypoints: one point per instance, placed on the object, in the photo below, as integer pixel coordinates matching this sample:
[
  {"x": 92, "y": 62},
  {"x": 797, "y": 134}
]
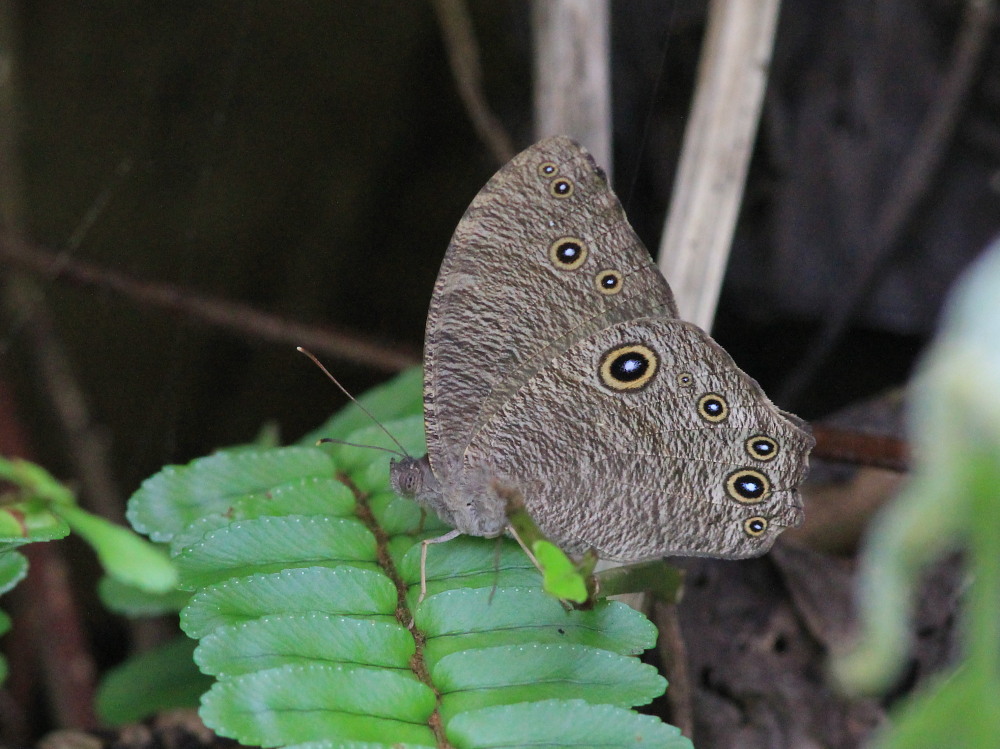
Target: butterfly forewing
[{"x": 519, "y": 285}]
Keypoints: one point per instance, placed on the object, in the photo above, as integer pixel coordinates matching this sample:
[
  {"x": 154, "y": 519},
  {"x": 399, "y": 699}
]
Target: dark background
[{"x": 311, "y": 159}]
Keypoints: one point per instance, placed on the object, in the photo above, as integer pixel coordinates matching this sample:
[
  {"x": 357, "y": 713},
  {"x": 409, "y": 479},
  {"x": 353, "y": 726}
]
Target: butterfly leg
[
  {"x": 517, "y": 537},
  {"x": 423, "y": 558}
]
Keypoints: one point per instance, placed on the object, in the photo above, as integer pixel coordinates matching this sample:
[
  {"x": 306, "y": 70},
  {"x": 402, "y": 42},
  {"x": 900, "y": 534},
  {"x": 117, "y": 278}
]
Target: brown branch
[
  {"x": 70, "y": 672},
  {"x": 674, "y": 660},
  {"x": 58, "y": 636},
  {"x": 235, "y": 318},
  {"x": 463, "y": 56},
  {"x": 911, "y": 188},
  {"x": 87, "y": 444},
  {"x": 48, "y": 627},
  {"x": 872, "y": 450}
]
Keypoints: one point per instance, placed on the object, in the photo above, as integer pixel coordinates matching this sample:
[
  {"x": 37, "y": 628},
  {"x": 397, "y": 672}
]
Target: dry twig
[
  {"x": 229, "y": 316},
  {"x": 463, "y": 56}
]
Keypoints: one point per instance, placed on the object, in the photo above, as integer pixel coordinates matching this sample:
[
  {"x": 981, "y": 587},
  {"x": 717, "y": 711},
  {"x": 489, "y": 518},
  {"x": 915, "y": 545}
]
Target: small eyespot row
[
  {"x": 629, "y": 367},
  {"x": 755, "y": 526},
  {"x": 685, "y": 379},
  {"x": 559, "y": 187},
  {"x": 548, "y": 169},
  {"x": 713, "y": 408},
  {"x": 761, "y": 447},
  {"x": 608, "y": 282}
]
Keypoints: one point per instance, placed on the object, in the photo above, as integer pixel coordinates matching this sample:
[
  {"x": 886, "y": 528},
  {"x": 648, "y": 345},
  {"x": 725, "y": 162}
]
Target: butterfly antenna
[
  {"x": 334, "y": 441},
  {"x": 356, "y": 402}
]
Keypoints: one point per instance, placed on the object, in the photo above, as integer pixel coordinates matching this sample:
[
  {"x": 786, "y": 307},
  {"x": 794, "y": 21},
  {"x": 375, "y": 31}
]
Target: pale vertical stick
[
  {"x": 573, "y": 73},
  {"x": 573, "y": 91},
  {"x": 708, "y": 188}
]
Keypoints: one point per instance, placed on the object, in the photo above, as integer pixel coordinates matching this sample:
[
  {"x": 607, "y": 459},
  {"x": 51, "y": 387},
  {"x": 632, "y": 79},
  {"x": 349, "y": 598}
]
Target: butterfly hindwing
[{"x": 693, "y": 460}]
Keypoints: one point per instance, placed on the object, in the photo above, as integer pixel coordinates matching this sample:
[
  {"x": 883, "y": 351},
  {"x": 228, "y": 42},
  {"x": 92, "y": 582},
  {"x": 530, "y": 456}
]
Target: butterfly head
[{"x": 412, "y": 477}]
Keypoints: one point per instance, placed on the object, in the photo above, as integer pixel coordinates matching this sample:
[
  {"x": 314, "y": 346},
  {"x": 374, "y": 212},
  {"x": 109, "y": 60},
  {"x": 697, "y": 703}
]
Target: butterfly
[{"x": 557, "y": 369}]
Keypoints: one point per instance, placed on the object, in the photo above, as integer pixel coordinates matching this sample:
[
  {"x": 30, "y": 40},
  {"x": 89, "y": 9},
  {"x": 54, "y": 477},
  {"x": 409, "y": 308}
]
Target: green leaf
[
  {"x": 161, "y": 679},
  {"x": 306, "y": 703},
  {"x": 134, "y": 602},
  {"x": 28, "y": 522},
  {"x": 462, "y": 619},
  {"x": 528, "y": 673},
  {"x": 305, "y": 605},
  {"x": 178, "y": 495},
  {"x": 124, "y": 556},
  {"x": 343, "y": 591},
  {"x": 561, "y": 723},
  {"x": 300, "y": 639},
  {"x": 13, "y": 569},
  {"x": 561, "y": 579},
  {"x": 357, "y": 745},
  {"x": 467, "y": 562},
  {"x": 959, "y": 710},
  {"x": 34, "y": 482},
  {"x": 396, "y": 515},
  {"x": 275, "y": 543}
]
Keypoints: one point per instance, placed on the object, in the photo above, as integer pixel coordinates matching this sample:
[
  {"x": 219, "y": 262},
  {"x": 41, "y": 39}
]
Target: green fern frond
[{"x": 304, "y": 571}]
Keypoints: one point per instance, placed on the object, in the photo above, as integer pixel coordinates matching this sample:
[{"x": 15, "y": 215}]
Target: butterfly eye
[
  {"x": 685, "y": 379},
  {"x": 748, "y": 486},
  {"x": 548, "y": 169},
  {"x": 628, "y": 367},
  {"x": 761, "y": 447},
  {"x": 568, "y": 253},
  {"x": 608, "y": 282},
  {"x": 561, "y": 188},
  {"x": 713, "y": 408},
  {"x": 755, "y": 526}
]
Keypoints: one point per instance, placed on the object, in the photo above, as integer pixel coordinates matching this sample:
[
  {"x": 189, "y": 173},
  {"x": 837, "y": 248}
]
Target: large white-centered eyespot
[
  {"x": 568, "y": 253},
  {"x": 608, "y": 281},
  {"x": 628, "y": 367},
  {"x": 755, "y": 526},
  {"x": 761, "y": 447},
  {"x": 713, "y": 408},
  {"x": 748, "y": 486}
]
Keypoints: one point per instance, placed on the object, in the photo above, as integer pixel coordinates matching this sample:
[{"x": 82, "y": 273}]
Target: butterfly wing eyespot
[
  {"x": 629, "y": 367},
  {"x": 548, "y": 169},
  {"x": 608, "y": 282},
  {"x": 748, "y": 486},
  {"x": 713, "y": 408},
  {"x": 755, "y": 526},
  {"x": 568, "y": 253},
  {"x": 561, "y": 188},
  {"x": 761, "y": 447},
  {"x": 685, "y": 379}
]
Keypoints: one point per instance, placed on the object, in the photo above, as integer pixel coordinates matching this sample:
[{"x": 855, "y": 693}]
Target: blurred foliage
[{"x": 952, "y": 501}]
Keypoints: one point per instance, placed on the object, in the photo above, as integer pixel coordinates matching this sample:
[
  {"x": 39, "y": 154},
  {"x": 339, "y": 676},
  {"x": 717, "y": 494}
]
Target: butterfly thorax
[{"x": 472, "y": 503}]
